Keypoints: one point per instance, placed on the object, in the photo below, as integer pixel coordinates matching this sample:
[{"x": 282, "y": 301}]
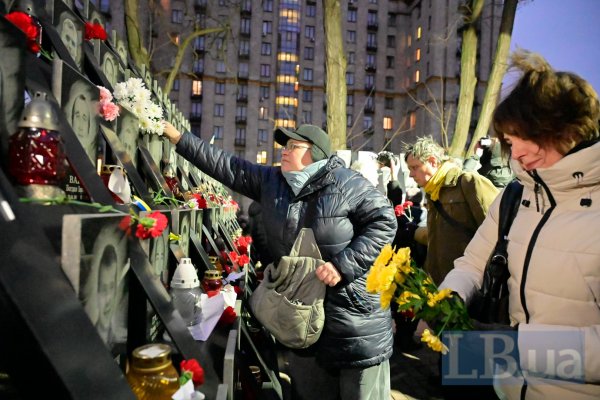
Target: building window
[
  {"x": 245, "y": 24},
  {"x": 349, "y": 78},
  {"x": 200, "y": 43},
  {"x": 372, "y": 18},
  {"x": 268, "y": 5},
  {"x": 309, "y": 53},
  {"x": 419, "y": 32},
  {"x": 391, "y": 20},
  {"x": 311, "y": 10},
  {"x": 369, "y": 81},
  {"x": 217, "y": 132},
  {"x": 196, "y": 88},
  {"x": 367, "y": 122},
  {"x": 176, "y": 84},
  {"x": 265, "y": 70},
  {"x": 408, "y": 41},
  {"x": 389, "y": 103},
  {"x": 351, "y": 57},
  {"x": 244, "y": 49},
  {"x": 350, "y": 100},
  {"x": 351, "y": 14},
  {"x": 242, "y": 92},
  {"x": 220, "y": 67},
  {"x": 351, "y": 36},
  {"x": 387, "y": 123},
  {"x": 196, "y": 129},
  {"x": 309, "y": 32},
  {"x": 240, "y": 136},
  {"x": 412, "y": 119},
  {"x": 418, "y": 54},
  {"x": 265, "y": 49},
  {"x": 389, "y": 82},
  {"x": 263, "y": 136},
  {"x": 391, "y": 41},
  {"x": 177, "y": 16},
  {"x": 263, "y": 113},
  {"x": 196, "y": 109},
  {"x": 307, "y": 117},
  {"x": 417, "y": 76},
  {"x": 390, "y": 60},
  {"x": 371, "y": 40},
  {"x": 307, "y": 96},
  {"x": 219, "y": 110},
  {"x": 243, "y": 70},
  {"x": 261, "y": 157},
  {"x": 370, "y": 60},
  {"x": 267, "y": 27},
  {"x": 198, "y": 66},
  {"x": 348, "y": 119},
  {"x": 265, "y": 92},
  {"x": 220, "y": 88},
  {"x": 241, "y": 112},
  {"x": 307, "y": 74}
]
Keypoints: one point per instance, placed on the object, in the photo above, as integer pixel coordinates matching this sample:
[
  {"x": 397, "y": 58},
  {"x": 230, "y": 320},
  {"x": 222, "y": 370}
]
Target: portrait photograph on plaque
[
  {"x": 78, "y": 99},
  {"x": 70, "y": 29},
  {"x": 95, "y": 259}
]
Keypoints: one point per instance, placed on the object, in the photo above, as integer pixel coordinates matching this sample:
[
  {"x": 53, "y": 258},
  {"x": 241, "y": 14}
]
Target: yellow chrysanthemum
[
  {"x": 386, "y": 296},
  {"x": 385, "y": 256},
  {"x": 433, "y": 299},
  {"x": 433, "y": 342},
  {"x": 399, "y": 278},
  {"x": 380, "y": 278},
  {"x": 406, "y": 297}
]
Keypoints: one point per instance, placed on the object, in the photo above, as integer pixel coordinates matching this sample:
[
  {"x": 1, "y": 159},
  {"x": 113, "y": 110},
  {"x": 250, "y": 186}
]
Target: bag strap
[
  {"x": 459, "y": 225},
  {"x": 509, "y": 205},
  {"x": 306, "y": 245}
]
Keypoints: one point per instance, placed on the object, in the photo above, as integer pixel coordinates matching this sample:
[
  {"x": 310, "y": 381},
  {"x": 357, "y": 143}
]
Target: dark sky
[{"x": 566, "y": 33}]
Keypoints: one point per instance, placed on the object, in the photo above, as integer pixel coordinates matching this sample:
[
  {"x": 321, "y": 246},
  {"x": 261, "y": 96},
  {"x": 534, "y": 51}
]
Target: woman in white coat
[{"x": 549, "y": 123}]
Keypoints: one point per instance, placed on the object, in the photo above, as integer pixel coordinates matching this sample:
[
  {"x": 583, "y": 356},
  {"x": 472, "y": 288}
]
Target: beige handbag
[{"x": 289, "y": 300}]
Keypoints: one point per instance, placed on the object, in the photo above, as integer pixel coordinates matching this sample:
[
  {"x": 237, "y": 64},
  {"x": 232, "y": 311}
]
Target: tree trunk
[
  {"x": 138, "y": 53},
  {"x": 335, "y": 65},
  {"x": 498, "y": 70},
  {"x": 468, "y": 81}
]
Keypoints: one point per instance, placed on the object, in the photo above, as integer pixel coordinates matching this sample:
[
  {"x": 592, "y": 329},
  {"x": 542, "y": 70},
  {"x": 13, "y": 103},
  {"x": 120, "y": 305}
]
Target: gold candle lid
[
  {"x": 212, "y": 274},
  {"x": 151, "y": 357}
]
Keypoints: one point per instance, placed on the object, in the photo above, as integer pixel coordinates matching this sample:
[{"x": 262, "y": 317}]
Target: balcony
[
  {"x": 369, "y": 110},
  {"x": 245, "y": 32},
  {"x": 370, "y": 68},
  {"x": 244, "y": 55},
  {"x": 246, "y": 8},
  {"x": 195, "y": 117},
  {"x": 369, "y": 87},
  {"x": 371, "y": 46},
  {"x": 372, "y": 26},
  {"x": 240, "y": 142},
  {"x": 242, "y": 98},
  {"x": 241, "y": 119},
  {"x": 242, "y": 74}
]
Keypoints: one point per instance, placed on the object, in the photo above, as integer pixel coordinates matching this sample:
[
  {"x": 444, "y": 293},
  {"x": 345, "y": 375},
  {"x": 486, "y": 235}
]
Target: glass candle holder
[
  {"x": 36, "y": 156},
  {"x": 212, "y": 282},
  {"x": 151, "y": 374}
]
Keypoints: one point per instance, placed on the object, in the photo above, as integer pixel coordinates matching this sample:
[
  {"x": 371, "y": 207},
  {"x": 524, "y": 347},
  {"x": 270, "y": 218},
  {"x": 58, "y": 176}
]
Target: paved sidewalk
[{"x": 414, "y": 374}]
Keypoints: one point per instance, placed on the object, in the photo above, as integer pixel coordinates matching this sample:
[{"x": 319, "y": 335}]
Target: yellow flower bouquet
[{"x": 395, "y": 276}]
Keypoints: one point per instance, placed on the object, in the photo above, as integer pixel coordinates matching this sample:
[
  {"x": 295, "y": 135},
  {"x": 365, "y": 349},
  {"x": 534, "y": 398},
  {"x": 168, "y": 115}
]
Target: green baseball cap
[{"x": 321, "y": 146}]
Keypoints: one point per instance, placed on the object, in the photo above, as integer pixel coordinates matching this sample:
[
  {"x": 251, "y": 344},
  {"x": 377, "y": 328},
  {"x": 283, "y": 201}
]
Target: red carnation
[
  {"x": 243, "y": 260},
  {"x": 31, "y": 29},
  {"x": 192, "y": 369},
  {"x": 228, "y": 317},
  {"x": 125, "y": 224},
  {"x": 94, "y": 31},
  {"x": 152, "y": 225}
]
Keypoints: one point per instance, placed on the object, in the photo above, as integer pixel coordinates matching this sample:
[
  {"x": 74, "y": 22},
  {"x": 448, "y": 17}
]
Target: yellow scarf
[{"x": 437, "y": 180}]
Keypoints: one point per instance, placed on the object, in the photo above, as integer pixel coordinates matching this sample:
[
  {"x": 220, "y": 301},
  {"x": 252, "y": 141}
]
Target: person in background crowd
[
  {"x": 549, "y": 123},
  {"x": 351, "y": 222},
  {"x": 490, "y": 162},
  {"x": 260, "y": 245},
  {"x": 457, "y": 203}
]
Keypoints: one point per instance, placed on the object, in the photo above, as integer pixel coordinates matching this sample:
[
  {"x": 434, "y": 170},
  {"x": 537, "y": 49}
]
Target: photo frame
[
  {"x": 109, "y": 64},
  {"x": 70, "y": 29},
  {"x": 129, "y": 133},
  {"x": 95, "y": 259},
  {"x": 182, "y": 226},
  {"x": 78, "y": 99}
]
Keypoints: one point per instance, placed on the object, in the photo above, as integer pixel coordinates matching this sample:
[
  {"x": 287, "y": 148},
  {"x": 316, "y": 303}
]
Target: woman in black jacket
[{"x": 351, "y": 222}]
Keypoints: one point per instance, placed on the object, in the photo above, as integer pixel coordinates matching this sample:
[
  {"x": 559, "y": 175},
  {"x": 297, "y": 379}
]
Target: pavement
[{"x": 414, "y": 373}]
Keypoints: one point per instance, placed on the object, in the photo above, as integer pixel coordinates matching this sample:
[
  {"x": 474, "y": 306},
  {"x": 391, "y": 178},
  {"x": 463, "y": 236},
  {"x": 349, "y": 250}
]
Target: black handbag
[{"x": 490, "y": 303}]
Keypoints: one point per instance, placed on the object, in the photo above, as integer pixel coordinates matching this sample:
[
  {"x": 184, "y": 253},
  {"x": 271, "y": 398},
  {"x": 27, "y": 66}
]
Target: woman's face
[{"x": 530, "y": 155}]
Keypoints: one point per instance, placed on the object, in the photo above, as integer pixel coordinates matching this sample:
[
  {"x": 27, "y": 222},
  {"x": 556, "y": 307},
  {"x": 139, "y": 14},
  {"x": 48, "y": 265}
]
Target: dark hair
[{"x": 549, "y": 108}]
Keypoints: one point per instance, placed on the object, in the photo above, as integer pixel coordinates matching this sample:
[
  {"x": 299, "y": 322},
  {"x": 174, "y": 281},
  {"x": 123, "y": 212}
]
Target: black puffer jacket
[{"x": 351, "y": 220}]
